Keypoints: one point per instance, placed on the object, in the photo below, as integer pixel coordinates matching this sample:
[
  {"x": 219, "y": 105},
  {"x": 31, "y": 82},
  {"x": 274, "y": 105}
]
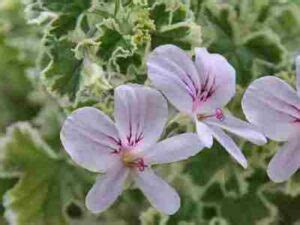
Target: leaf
[
  {"x": 64, "y": 13},
  {"x": 153, "y": 217},
  {"x": 63, "y": 71},
  {"x": 6, "y": 183},
  {"x": 205, "y": 165},
  {"x": 114, "y": 35},
  {"x": 47, "y": 184},
  {"x": 241, "y": 208},
  {"x": 284, "y": 21},
  {"x": 249, "y": 35},
  {"x": 16, "y": 59},
  {"x": 234, "y": 210},
  {"x": 113, "y": 44},
  {"x": 293, "y": 186},
  {"x": 224, "y": 19},
  {"x": 266, "y": 46},
  {"x": 174, "y": 26},
  {"x": 287, "y": 207},
  {"x": 49, "y": 122}
]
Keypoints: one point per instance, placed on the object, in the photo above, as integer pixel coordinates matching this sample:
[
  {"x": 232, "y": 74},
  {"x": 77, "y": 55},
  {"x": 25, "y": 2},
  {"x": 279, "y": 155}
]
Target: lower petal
[
  {"x": 106, "y": 190},
  {"x": 160, "y": 194},
  {"x": 229, "y": 145},
  {"x": 239, "y": 128},
  {"x": 204, "y": 133},
  {"x": 285, "y": 162}
]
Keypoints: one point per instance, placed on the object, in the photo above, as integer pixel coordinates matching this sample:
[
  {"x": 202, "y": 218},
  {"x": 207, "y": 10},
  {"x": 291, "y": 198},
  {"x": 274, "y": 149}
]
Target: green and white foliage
[{"x": 59, "y": 55}]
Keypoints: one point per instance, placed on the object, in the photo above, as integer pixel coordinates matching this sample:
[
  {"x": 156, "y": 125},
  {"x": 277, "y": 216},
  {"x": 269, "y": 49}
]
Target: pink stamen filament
[{"x": 219, "y": 114}]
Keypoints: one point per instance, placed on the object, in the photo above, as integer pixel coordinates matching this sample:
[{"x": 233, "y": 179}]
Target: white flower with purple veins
[
  {"x": 201, "y": 89},
  {"x": 127, "y": 148},
  {"x": 274, "y": 106}
]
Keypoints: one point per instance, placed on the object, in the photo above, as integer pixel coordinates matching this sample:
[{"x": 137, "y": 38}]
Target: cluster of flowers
[{"x": 127, "y": 148}]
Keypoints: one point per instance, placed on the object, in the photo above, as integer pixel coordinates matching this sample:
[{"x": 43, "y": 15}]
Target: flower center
[
  {"x": 219, "y": 114},
  {"x": 132, "y": 161},
  {"x": 207, "y": 89}
]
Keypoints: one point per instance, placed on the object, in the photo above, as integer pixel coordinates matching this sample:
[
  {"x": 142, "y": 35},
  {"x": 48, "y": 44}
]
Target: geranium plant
[{"x": 123, "y": 112}]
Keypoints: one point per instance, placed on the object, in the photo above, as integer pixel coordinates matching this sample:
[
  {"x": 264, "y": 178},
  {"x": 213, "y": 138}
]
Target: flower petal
[
  {"x": 240, "y": 128},
  {"x": 298, "y": 74},
  {"x": 229, "y": 145},
  {"x": 106, "y": 190},
  {"x": 173, "y": 72},
  {"x": 89, "y": 137},
  {"x": 286, "y": 161},
  {"x": 140, "y": 114},
  {"x": 217, "y": 74},
  {"x": 174, "y": 149},
  {"x": 160, "y": 194},
  {"x": 273, "y": 106},
  {"x": 204, "y": 134}
]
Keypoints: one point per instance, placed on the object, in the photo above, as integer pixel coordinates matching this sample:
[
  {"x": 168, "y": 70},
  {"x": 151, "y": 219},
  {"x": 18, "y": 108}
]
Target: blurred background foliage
[{"x": 59, "y": 55}]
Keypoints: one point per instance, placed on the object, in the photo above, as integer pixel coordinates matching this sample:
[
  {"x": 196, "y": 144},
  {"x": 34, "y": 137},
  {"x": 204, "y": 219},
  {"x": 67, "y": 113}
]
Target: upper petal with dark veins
[
  {"x": 173, "y": 72},
  {"x": 140, "y": 114},
  {"x": 217, "y": 79}
]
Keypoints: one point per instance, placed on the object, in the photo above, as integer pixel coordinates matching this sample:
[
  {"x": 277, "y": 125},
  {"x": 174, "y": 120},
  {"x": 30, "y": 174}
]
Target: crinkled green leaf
[
  {"x": 114, "y": 35},
  {"x": 63, "y": 13},
  {"x": 49, "y": 122},
  {"x": 287, "y": 20},
  {"x": 241, "y": 31},
  {"x": 171, "y": 27},
  {"x": 292, "y": 186},
  {"x": 234, "y": 210},
  {"x": 16, "y": 59},
  {"x": 152, "y": 217},
  {"x": 90, "y": 47},
  {"x": 266, "y": 46},
  {"x": 244, "y": 208},
  {"x": 47, "y": 184},
  {"x": 63, "y": 71},
  {"x": 204, "y": 166},
  {"x": 287, "y": 207},
  {"x": 6, "y": 183}
]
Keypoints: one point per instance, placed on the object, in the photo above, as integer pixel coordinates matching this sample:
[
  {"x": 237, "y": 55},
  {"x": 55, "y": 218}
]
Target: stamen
[
  {"x": 219, "y": 114},
  {"x": 140, "y": 164},
  {"x": 131, "y": 161}
]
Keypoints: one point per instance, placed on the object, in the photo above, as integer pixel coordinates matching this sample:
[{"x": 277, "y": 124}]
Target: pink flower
[
  {"x": 127, "y": 148},
  {"x": 201, "y": 89},
  {"x": 274, "y": 106}
]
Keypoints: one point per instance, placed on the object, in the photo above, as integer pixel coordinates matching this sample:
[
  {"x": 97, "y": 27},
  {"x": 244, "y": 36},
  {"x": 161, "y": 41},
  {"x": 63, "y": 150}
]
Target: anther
[
  {"x": 140, "y": 164},
  {"x": 219, "y": 114}
]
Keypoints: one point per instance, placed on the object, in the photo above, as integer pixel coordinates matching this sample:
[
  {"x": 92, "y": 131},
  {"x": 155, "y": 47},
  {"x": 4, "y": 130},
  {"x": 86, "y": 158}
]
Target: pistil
[{"x": 132, "y": 161}]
